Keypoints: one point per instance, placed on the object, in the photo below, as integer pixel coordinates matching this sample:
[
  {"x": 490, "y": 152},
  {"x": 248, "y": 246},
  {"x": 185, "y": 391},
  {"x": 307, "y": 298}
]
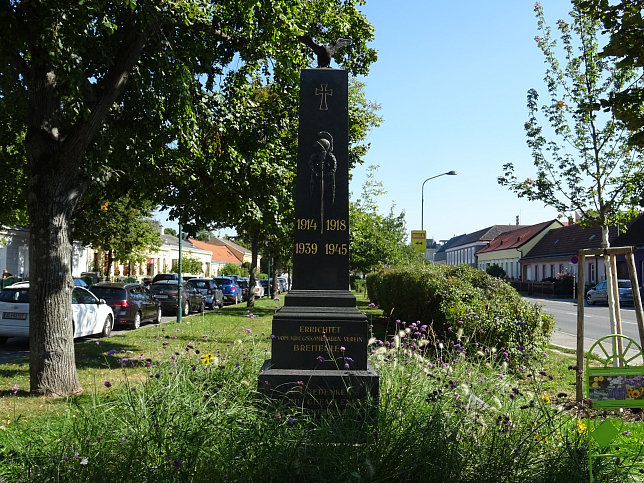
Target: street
[{"x": 596, "y": 324}]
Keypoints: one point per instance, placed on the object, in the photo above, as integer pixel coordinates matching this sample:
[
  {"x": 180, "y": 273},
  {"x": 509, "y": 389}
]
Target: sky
[{"x": 452, "y": 79}]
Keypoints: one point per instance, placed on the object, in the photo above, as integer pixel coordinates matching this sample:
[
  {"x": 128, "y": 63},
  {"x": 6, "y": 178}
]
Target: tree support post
[{"x": 581, "y": 279}]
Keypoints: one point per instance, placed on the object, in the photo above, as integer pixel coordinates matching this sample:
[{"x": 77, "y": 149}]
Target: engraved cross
[{"x": 323, "y": 91}]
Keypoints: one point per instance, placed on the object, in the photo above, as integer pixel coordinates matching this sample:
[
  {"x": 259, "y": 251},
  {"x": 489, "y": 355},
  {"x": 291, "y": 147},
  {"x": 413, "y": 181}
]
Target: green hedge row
[{"x": 465, "y": 307}]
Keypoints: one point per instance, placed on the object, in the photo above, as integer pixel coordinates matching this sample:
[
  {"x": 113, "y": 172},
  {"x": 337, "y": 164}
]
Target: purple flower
[
  {"x": 342, "y": 349},
  {"x": 346, "y": 365},
  {"x": 107, "y": 384},
  {"x": 290, "y": 421},
  {"x": 111, "y": 351},
  {"x": 278, "y": 415},
  {"x": 15, "y": 389},
  {"x": 250, "y": 331},
  {"x": 177, "y": 463},
  {"x": 320, "y": 359}
]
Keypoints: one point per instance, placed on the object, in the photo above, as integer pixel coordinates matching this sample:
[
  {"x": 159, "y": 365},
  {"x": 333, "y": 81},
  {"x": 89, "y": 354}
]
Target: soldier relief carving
[{"x": 323, "y": 165}]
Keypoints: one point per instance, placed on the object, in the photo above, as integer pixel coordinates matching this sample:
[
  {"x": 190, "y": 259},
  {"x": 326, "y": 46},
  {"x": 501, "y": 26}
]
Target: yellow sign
[{"x": 419, "y": 240}]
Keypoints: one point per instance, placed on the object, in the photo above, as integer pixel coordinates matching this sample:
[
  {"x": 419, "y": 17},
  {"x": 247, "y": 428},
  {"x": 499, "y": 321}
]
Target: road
[{"x": 596, "y": 324}]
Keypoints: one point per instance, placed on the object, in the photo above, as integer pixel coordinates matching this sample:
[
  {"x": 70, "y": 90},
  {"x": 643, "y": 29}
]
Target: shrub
[{"x": 465, "y": 306}]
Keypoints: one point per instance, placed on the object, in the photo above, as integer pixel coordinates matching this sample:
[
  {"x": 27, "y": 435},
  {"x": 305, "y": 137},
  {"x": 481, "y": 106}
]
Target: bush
[{"x": 465, "y": 307}]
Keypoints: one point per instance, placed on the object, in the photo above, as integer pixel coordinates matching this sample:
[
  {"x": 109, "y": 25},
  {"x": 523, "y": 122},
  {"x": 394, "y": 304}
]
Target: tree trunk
[
  {"x": 609, "y": 289},
  {"x": 52, "y": 364},
  {"x": 253, "y": 269}
]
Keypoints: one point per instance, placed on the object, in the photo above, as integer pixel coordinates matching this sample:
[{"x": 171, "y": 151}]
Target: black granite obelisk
[{"x": 319, "y": 338}]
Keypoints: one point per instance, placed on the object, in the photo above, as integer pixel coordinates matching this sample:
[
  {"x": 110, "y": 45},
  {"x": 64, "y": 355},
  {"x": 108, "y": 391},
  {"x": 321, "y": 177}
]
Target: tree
[
  {"x": 170, "y": 231},
  {"x": 119, "y": 223},
  {"x": 495, "y": 271},
  {"x": 588, "y": 167},
  {"x": 188, "y": 265},
  {"x": 376, "y": 240},
  {"x": 624, "y": 22},
  {"x": 95, "y": 89}
]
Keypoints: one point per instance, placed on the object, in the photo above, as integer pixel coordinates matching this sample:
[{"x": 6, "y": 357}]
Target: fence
[{"x": 546, "y": 289}]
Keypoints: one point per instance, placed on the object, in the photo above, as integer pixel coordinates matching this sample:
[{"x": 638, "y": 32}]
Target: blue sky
[{"x": 452, "y": 78}]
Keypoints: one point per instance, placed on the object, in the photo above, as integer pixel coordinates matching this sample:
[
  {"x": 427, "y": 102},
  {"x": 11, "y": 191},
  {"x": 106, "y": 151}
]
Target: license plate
[
  {"x": 161, "y": 296},
  {"x": 14, "y": 315}
]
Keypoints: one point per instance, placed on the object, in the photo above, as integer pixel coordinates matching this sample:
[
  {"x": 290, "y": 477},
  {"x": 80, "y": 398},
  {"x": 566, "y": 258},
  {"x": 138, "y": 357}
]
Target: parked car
[
  {"x": 79, "y": 282},
  {"x": 282, "y": 284},
  {"x": 269, "y": 287},
  {"x": 244, "y": 283},
  {"x": 213, "y": 296},
  {"x": 166, "y": 292},
  {"x": 599, "y": 294},
  {"x": 90, "y": 315},
  {"x": 165, "y": 276},
  {"x": 132, "y": 303},
  {"x": 231, "y": 291}
]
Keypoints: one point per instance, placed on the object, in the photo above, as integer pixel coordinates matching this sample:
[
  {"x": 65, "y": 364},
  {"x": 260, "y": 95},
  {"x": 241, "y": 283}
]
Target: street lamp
[{"x": 422, "y": 196}]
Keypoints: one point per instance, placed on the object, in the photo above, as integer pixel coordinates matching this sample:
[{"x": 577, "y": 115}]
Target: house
[
  {"x": 221, "y": 255},
  {"x": 242, "y": 254},
  {"x": 163, "y": 259},
  {"x": 556, "y": 253},
  {"x": 440, "y": 256},
  {"x": 431, "y": 247},
  {"x": 463, "y": 250},
  {"x": 509, "y": 247},
  {"x": 14, "y": 253}
]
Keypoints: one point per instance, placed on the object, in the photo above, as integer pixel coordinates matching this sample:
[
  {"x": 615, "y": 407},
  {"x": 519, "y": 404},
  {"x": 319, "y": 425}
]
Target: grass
[{"x": 178, "y": 403}]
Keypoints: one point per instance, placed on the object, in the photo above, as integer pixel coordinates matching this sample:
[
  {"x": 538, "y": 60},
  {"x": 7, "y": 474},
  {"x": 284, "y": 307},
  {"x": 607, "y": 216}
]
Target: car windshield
[
  {"x": 223, "y": 281},
  {"x": 624, "y": 284},
  {"x": 14, "y": 295},
  {"x": 108, "y": 293}
]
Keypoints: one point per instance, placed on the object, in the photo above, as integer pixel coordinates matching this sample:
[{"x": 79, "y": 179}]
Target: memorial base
[{"x": 323, "y": 392}]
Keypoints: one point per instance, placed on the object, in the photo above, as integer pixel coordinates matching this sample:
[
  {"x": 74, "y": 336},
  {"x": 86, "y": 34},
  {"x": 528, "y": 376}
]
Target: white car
[{"x": 90, "y": 315}]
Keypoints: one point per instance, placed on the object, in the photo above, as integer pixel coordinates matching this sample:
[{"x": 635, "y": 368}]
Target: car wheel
[
  {"x": 589, "y": 300},
  {"x": 157, "y": 318},
  {"x": 107, "y": 326},
  {"x": 137, "y": 321},
  {"x": 186, "y": 308}
]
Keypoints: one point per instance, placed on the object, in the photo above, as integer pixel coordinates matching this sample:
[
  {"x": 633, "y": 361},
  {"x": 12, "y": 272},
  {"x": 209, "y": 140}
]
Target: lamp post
[{"x": 422, "y": 196}]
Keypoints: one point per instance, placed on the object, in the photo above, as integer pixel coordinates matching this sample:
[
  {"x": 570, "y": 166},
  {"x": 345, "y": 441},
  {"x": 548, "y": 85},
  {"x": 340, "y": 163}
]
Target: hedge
[{"x": 465, "y": 307}]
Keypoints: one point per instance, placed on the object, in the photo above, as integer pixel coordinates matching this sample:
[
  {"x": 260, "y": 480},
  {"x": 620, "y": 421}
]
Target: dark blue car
[{"x": 231, "y": 292}]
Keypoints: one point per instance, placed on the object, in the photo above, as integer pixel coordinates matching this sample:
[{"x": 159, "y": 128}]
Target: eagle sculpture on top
[{"x": 323, "y": 52}]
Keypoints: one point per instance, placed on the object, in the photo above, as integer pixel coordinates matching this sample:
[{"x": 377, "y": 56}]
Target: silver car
[{"x": 599, "y": 294}]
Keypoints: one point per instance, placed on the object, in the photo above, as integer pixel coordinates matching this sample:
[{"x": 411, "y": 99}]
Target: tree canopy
[
  {"x": 581, "y": 154},
  {"x": 375, "y": 240},
  {"x": 624, "y": 23}
]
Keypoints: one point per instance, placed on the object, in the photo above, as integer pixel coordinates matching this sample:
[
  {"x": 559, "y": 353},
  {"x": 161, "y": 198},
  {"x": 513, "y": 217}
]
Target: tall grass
[{"x": 190, "y": 411}]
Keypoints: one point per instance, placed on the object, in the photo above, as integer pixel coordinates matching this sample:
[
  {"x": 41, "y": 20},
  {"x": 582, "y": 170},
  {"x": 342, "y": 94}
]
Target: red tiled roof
[
  {"x": 219, "y": 253},
  {"x": 516, "y": 238}
]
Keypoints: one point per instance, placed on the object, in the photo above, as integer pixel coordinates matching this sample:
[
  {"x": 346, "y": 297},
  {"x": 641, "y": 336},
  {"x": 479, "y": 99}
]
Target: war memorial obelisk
[{"x": 319, "y": 337}]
